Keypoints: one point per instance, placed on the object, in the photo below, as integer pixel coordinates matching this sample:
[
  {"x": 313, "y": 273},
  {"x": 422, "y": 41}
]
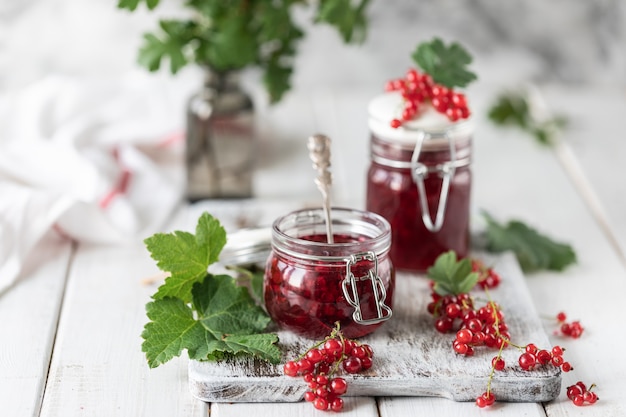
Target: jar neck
[
  {"x": 301, "y": 234},
  {"x": 435, "y": 149},
  {"x": 220, "y": 80}
]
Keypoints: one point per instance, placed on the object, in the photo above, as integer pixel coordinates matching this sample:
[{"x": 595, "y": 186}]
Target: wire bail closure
[
  {"x": 420, "y": 171},
  {"x": 349, "y": 287}
]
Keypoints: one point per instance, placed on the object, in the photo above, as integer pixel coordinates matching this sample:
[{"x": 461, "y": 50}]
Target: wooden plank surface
[
  {"x": 97, "y": 367},
  {"x": 411, "y": 357},
  {"x": 28, "y": 321},
  {"x": 353, "y": 407}
]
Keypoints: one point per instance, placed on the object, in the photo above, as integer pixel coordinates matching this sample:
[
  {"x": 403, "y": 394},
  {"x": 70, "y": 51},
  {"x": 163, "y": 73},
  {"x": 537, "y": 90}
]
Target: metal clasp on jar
[
  {"x": 349, "y": 286},
  {"x": 419, "y": 171}
]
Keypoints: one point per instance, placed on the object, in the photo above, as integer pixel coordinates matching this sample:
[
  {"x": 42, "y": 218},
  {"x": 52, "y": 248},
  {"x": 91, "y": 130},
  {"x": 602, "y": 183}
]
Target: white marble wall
[{"x": 563, "y": 41}]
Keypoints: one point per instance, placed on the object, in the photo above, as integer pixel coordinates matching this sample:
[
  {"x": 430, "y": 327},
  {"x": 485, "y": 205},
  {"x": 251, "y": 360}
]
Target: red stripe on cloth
[
  {"x": 171, "y": 139},
  {"x": 120, "y": 188}
]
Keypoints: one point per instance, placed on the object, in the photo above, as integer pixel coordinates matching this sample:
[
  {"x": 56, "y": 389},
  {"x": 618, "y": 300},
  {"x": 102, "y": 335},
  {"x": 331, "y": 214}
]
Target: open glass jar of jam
[
  {"x": 420, "y": 181},
  {"x": 310, "y": 284}
]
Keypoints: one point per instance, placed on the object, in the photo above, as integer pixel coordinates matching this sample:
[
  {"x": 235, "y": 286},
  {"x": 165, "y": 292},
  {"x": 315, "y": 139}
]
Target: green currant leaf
[
  {"x": 233, "y": 322},
  {"x": 172, "y": 328},
  {"x": 234, "y": 34},
  {"x": 185, "y": 256},
  {"x": 349, "y": 20},
  {"x": 132, "y": 4},
  {"x": 452, "y": 276},
  {"x": 154, "y": 50},
  {"x": 533, "y": 250},
  {"x": 277, "y": 80},
  {"x": 128, "y": 4},
  {"x": 513, "y": 109},
  {"x": 445, "y": 64},
  {"x": 226, "y": 308}
]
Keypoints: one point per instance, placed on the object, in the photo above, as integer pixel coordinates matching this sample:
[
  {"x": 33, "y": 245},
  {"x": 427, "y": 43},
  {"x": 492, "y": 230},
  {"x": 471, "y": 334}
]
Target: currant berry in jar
[
  {"x": 310, "y": 284},
  {"x": 420, "y": 181}
]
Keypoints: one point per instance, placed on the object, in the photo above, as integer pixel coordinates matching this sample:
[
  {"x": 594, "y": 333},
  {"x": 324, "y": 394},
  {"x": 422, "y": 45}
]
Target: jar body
[
  {"x": 220, "y": 140},
  {"x": 392, "y": 192},
  {"x": 310, "y": 285}
]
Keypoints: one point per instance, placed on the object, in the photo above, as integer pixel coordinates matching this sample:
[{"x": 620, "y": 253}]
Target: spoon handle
[{"x": 319, "y": 152}]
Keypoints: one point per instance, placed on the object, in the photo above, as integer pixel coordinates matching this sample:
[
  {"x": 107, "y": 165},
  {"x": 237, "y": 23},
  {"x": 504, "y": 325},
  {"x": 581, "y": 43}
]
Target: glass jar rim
[{"x": 375, "y": 230}]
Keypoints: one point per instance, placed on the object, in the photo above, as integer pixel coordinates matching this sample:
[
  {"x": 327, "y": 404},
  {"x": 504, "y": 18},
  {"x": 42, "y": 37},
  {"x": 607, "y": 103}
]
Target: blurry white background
[{"x": 564, "y": 41}]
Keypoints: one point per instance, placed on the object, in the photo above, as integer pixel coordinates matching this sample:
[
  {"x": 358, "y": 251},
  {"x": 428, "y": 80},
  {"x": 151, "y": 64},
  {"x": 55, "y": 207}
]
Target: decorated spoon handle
[{"x": 319, "y": 152}]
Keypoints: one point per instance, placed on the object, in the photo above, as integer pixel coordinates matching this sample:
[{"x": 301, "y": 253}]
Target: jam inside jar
[
  {"x": 310, "y": 284},
  {"x": 420, "y": 181}
]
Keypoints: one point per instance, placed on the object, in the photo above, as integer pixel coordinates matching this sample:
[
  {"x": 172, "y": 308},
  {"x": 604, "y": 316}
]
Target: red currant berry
[
  {"x": 557, "y": 351},
  {"x": 527, "y": 361},
  {"x": 333, "y": 347},
  {"x": 459, "y": 100},
  {"x": 370, "y": 351},
  {"x": 359, "y": 352},
  {"x": 573, "y": 391},
  {"x": 443, "y": 325},
  {"x": 566, "y": 367},
  {"x": 480, "y": 402},
  {"x": 474, "y": 325},
  {"x": 352, "y": 365},
  {"x": 320, "y": 403},
  {"x": 336, "y": 404},
  {"x": 453, "y": 310},
  {"x": 412, "y": 75},
  {"x": 314, "y": 356},
  {"x": 395, "y": 123},
  {"x": 489, "y": 398},
  {"x": 561, "y": 317},
  {"x": 464, "y": 335},
  {"x": 322, "y": 392},
  {"x": 309, "y": 396},
  {"x": 439, "y": 91},
  {"x": 304, "y": 366},
  {"x": 460, "y": 347},
  {"x": 478, "y": 339},
  {"x": 557, "y": 361},
  {"x": 531, "y": 348},
  {"x": 290, "y": 369},
  {"x": 543, "y": 357},
  {"x": 578, "y": 400},
  {"x": 338, "y": 386},
  {"x": 323, "y": 368},
  {"x": 322, "y": 379},
  {"x": 590, "y": 397},
  {"x": 366, "y": 363},
  {"x": 497, "y": 363}
]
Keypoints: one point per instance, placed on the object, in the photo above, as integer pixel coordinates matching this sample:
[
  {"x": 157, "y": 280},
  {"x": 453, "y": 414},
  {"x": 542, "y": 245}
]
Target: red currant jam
[
  {"x": 307, "y": 287},
  {"x": 394, "y": 193}
]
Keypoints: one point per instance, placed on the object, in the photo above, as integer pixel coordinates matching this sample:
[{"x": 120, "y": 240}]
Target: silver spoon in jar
[{"x": 319, "y": 152}]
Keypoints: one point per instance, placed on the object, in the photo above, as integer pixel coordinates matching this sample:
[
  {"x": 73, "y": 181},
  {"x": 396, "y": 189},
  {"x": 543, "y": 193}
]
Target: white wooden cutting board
[{"x": 410, "y": 357}]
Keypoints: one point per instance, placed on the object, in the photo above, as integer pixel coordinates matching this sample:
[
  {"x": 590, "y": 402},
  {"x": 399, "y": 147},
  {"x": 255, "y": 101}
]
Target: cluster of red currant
[
  {"x": 487, "y": 277},
  {"x": 579, "y": 394},
  {"x": 320, "y": 362},
  {"x": 533, "y": 356},
  {"x": 486, "y": 326},
  {"x": 417, "y": 88},
  {"x": 573, "y": 329}
]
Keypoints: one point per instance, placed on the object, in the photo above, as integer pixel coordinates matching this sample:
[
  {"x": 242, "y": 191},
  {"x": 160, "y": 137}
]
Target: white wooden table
[{"x": 70, "y": 330}]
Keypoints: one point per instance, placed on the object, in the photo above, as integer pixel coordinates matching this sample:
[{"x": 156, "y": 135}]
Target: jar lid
[
  {"x": 247, "y": 246},
  {"x": 385, "y": 107}
]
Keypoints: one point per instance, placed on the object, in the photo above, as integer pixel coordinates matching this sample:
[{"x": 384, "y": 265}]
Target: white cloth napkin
[{"x": 98, "y": 161}]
